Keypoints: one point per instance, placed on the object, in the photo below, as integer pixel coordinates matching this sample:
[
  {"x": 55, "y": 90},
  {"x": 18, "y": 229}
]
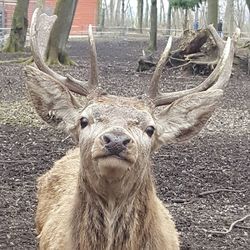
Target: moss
[
  {"x": 56, "y": 53},
  {"x": 17, "y": 38},
  {"x": 19, "y": 113}
]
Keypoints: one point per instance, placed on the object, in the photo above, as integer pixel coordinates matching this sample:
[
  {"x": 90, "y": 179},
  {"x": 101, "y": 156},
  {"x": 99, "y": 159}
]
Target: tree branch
[{"x": 230, "y": 228}]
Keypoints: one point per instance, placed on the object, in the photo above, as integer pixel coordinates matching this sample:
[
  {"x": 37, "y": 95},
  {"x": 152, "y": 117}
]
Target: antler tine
[
  {"x": 72, "y": 84},
  {"x": 153, "y": 90},
  {"x": 216, "y": 80},
  {"x": 93, "y": 81},
  {"x": 227, "y": 63}
]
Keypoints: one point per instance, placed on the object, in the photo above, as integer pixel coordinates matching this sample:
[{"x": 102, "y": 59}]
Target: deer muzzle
[
  {"x": 115, "y": 142},
  {"x": 115, "y": 152}
]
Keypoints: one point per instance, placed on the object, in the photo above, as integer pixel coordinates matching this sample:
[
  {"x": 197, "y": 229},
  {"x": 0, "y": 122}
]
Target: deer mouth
[
  {"x": 122, "y": 157},
  {"x": 112, "y": 167}
]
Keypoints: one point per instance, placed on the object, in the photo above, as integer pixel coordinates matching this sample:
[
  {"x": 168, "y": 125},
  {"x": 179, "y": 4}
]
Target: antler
[
  {"x": 217, "y": 79},
  {"x": 39, "y": 49}
]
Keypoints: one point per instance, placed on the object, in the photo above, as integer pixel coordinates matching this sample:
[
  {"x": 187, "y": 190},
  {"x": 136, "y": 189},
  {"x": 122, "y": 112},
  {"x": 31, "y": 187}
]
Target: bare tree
[
  {"x": 40, "y": 4},
  {"x": 111, "y": 11},
  {"x": 213, "y": 12},
  {"x": 19, "y": 26},
  {"x": 153, "y": 26},
  {"x": 99, "y": 14},
  {"x": 65, "y": 10},
  {"x": 229, "y": 18},
  {"x": 146, "y": 13},
  {"x": 140, "y": 14},
  {"x": 248, "y": 4},
  {"x": 169, "y": 20},
  {"x": 123, "y": 13},
  {"x": 240, "y": 14},
  {"x": 118, "y": 13},
  {"x": 162, "y": 13}
]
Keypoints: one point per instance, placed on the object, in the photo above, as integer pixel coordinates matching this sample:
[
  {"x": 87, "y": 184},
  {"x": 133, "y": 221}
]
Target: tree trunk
[
  {"x": 229, "y": 18},
  {"x": 231, "y": 26},
  {"x": 65, "y": 10},
  {"x": 248, "y": 4},
  {"x": 240, "y": 10},
  {"x": 105, "y": 10},
  {"x": 169, "y": 20},
  {"x": 111, "y": 7},
  {"x": 146, "y": 14},
  {"x": 153, "y": 26},
  {"x": 99, "y": 12},
  {"x": 123, "y": 13},
  {"x": 202, "y": 16},
  {"x": 163, "y": 12},
  {"x": 118, "y": 13},
  {"x": 40, "y": 4},
  {"x": 185, "y": 24},
  {"x": 213, "y": 12},
  {"x": 140, "y": 14},
  {"x": 19, "y": 26}
]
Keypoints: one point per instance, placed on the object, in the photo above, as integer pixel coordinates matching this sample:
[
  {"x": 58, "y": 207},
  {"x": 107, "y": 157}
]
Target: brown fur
[{"x": 70, "y": 216}]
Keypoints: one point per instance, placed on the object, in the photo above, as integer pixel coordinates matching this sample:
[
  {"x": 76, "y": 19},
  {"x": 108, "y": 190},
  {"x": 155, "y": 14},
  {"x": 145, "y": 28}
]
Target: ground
[{"x": 216, "y": 159}]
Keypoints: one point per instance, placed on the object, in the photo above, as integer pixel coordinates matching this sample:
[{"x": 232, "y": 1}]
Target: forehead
[{"x": 129, "y": 109}]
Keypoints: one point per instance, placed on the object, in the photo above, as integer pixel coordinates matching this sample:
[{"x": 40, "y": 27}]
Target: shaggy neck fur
[{"x": 109, "y": 216}]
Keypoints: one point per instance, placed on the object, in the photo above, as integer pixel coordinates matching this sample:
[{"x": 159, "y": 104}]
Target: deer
[{"x": 101, "y": 194}]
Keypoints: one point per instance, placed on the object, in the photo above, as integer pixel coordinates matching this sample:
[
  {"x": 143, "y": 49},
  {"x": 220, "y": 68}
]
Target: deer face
[{"x": 118, "y": 132}]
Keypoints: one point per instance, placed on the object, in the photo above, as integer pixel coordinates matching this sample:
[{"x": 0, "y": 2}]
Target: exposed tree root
[
  {"x": 230, "y": 228},
  {"x": 202, "y": 194},
  {"x": 182, "y": 65},
  {"x": 66, "y": 61},
  {"x": 220, "y": 190},
  {"x": 19, "y": 60}
]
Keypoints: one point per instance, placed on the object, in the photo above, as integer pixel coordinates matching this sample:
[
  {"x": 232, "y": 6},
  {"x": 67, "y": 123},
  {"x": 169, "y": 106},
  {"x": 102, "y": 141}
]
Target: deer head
[{"x": 117, "y": 134}]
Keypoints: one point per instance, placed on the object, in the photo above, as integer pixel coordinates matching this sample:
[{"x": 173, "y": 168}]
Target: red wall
[
  {"x": 8, "y": 12},
  {"x": 86, "y": 12}
]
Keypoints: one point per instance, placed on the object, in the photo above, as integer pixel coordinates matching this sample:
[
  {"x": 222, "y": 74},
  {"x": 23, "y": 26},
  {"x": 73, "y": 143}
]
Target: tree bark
[
  {"x": 163, "y": 12},
  {"x": 111, "y": 7},
  {"x": 19, "y": 26},
  {"x": 153, "y": 26},
  {"x": 118, "y": 13},
  {"x": 248, "y": 4},
  {"x": 99, "y": 12},
  {"x": 185, "y": 24},
  {"x": 213, "y": 12},
  {"x": 140, "y": 14},
  {"x": 65, "y": 10},
  {"x": 229, "y": 18},
  {"x": 146, "y": 14},
  {"x": 123, "y": 13},
  {"x": 40, "y": 4},
  {"x": 169, "y": 21}
]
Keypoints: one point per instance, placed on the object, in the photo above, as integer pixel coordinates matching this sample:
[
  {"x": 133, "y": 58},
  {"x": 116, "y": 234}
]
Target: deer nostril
[
  {"x": 114, "y": 142},
  {"x": 126, "y": 141},
  {"x": 106, "y": 139}
]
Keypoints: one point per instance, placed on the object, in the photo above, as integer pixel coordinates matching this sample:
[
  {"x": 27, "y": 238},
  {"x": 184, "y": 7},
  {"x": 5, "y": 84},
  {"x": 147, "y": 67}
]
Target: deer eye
[
  {"x": 150, "y": 131},
  {"x": 84, "y": 122}
]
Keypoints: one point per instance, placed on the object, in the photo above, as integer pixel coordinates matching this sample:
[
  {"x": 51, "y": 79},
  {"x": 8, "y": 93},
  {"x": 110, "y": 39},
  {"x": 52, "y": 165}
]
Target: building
[{"x": 86, "y": 13}]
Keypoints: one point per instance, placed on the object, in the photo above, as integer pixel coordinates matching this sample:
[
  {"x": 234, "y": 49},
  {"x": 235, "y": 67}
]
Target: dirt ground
[{"x": 216, "y": 159}]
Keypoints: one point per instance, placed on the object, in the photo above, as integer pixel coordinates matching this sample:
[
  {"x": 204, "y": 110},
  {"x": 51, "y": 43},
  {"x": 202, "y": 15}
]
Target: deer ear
[
  {"x": 185, "y": 117},
  {"x": 52, "y": 101}
]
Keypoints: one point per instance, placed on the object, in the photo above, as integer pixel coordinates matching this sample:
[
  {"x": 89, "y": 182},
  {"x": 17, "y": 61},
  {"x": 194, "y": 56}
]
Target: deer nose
[{"x": 115, "y": 143}]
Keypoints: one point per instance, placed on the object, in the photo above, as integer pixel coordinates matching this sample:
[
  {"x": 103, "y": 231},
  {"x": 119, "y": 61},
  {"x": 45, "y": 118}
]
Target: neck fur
[{"x": 106, "y": 214}]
